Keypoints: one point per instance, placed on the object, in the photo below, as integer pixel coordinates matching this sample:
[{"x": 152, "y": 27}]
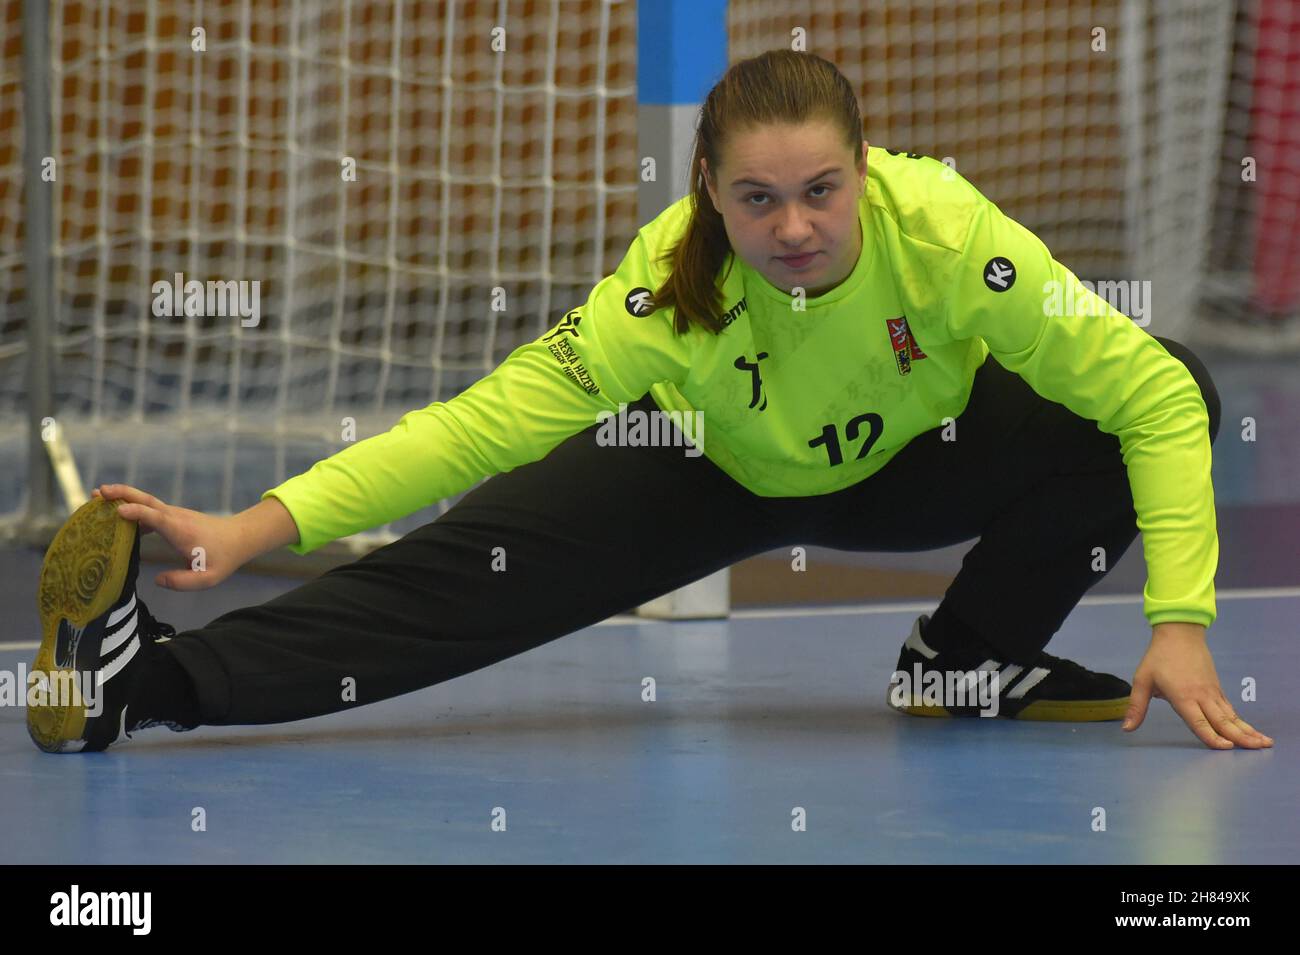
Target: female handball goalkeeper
[{"x": 850, "y": 347}]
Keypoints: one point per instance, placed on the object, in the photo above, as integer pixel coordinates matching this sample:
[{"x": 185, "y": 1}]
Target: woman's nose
[{"x": 793, "y": 228}]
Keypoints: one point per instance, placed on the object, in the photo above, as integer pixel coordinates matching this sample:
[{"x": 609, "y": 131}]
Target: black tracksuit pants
[{"x": 590, "y": 531}]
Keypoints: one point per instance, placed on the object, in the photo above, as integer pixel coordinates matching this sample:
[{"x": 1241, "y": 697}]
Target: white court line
[
  {"x": 843, "y": 610},
  {"x": 846, "y": 610},
  {"x": 1258, "y": 593}
]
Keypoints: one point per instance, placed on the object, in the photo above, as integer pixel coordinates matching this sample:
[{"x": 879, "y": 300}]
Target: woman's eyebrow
[{"x": 764, "y": 185}]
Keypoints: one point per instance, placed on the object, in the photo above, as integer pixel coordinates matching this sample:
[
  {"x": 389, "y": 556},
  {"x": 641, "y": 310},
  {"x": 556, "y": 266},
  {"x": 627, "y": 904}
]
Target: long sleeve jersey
[{"x": 803, "y": 401}]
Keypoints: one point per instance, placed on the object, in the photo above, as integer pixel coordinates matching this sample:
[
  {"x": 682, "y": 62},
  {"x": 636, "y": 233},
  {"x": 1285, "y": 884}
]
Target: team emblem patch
[{"x": 906, "y": 350}]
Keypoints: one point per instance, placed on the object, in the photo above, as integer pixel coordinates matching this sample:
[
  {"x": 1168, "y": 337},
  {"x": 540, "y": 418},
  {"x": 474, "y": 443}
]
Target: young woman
[{"x": 881, "y": 363}]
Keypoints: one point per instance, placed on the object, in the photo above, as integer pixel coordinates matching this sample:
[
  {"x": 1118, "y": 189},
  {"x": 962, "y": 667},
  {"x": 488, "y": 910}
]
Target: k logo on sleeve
[{"x": 999, "y": 274}]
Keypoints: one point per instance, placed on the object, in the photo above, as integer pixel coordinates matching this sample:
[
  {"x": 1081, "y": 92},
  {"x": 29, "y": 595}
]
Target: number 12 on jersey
[{"x": 830, "y": 437}]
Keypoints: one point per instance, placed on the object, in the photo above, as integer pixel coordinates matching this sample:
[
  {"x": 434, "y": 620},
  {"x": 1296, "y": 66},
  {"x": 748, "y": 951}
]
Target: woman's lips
[{"x": 796, "y": 261}]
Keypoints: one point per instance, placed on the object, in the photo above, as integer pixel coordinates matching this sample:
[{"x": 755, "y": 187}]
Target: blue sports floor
[{"x": 775, "y": 714}]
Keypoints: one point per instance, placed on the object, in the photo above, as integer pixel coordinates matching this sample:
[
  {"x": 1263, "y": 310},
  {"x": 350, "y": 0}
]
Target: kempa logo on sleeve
[
  {"x": 999, "y": 273},
  {"x": 181, "y": 298},
  {"x": 639, "y": 302},
  {"x": 103, "y": 908}
]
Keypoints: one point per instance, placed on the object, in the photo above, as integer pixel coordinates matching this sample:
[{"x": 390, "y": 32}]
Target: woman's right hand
[{"x": 187, "y": 531}]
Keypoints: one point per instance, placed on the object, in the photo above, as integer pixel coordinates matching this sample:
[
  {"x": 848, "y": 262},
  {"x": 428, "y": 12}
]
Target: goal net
[
  {"x": 417, "y": 187},
  {"x": 420, "y": 187}
]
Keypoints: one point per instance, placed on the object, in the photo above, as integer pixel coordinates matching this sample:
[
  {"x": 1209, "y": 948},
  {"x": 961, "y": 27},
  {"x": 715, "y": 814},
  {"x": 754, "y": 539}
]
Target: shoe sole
[
  {"x": 1075, "y": 711},
  {"x": 82, "y": 576},
  {"x": 1053, "y": 711}
]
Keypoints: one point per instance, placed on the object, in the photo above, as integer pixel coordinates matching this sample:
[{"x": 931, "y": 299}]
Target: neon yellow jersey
[{"x": 802, "y": 402}]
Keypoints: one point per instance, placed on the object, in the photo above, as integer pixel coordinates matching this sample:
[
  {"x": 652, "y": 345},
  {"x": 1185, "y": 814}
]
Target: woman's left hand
[{"x": 1178, "y": 668}]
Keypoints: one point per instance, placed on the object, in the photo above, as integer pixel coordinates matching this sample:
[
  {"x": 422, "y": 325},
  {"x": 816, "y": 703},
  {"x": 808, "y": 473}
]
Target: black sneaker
[
  {"x": 96, "y": 634},
  {"x": 963, "y": 684}
]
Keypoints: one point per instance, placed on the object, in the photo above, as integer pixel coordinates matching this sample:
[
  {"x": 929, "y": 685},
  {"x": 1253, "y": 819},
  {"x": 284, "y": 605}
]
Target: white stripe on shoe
[
  {"x": 1005, "y": 678},
  {"x": 115, "y": 636},
  {"x": 915, "y": 642},
  {"x": 972, "y": 677},
  {"x": 121, "y": 660},
  {"x": 115, "y": 640},
  {"x": 120, "y": 613},
  {"x": 1008, "y": 676},
  {"x": 1035, "y": 677}
]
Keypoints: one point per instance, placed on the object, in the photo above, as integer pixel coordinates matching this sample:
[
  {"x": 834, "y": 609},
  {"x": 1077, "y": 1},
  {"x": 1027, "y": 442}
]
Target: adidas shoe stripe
[
  {"x": 1035, "y": 677},
  {"x": 916, "y": 643},
  {"x": 1007, "y": 677},
  {"x": 111, "y": 669},
  {"x": 116, "y": 616},
  {"x": 120, "y": 628}
]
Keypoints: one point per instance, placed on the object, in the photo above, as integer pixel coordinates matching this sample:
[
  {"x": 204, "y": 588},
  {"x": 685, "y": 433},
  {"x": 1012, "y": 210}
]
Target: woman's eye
[{"x": 762, "y": 195}]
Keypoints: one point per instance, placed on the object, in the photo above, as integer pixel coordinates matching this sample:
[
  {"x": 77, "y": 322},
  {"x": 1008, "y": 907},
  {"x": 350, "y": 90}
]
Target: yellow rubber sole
[
  {"x": 1053, "y": 711},
  {"x": 82, "y": 575}
]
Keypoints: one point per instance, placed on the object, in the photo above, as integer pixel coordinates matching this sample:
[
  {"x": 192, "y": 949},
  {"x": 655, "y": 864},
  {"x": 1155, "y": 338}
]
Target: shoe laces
[
  {"x": 155, "y": 631},
  {"x": 151, "y": 723},
  {"x": 1062, "y": 664},
  {"x": 151, "y": 626}
]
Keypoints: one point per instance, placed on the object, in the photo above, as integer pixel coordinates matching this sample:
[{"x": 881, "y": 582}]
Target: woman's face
[{"x": 788, "y": 191}]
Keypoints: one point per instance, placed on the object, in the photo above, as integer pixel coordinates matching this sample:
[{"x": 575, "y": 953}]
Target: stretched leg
[{"x": 526, "y": 557}]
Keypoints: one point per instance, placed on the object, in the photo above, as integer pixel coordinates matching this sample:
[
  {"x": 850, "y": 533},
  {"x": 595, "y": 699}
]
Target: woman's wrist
[
  {"x": 265, "y": 526},
  {"x": 1178, "y": 628}
]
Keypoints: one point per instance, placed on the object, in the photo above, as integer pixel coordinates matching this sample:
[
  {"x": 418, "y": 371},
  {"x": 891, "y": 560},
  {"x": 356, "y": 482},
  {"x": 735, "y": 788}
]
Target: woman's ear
[{"x": 708, "y": 184}]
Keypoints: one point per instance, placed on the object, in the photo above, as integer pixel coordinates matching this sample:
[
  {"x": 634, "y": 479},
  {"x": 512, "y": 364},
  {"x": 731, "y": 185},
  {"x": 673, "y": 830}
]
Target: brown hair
[{"x": 779, "y": 86}]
